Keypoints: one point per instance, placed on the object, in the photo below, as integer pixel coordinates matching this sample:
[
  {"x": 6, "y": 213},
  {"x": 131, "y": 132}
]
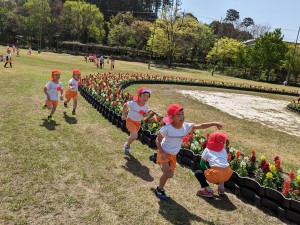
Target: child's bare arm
[
  {"x": 46, "y": 92},
  {"x": 124, "y": 110},
  {"x": 158, "y": 144},
  {"x": 62, "y": 94},
  {"x": 219, "y": 125}
]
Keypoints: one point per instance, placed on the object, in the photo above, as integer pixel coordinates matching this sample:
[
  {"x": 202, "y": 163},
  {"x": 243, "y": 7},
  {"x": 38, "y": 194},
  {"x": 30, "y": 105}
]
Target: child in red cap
[
  {"x": 169, "y": 141},
  {"x": 219, "y": 172},
  {"x": 51, "y": 90},
  {"x": 138, "y": 109},
  {"x": 72, "y": 91}
]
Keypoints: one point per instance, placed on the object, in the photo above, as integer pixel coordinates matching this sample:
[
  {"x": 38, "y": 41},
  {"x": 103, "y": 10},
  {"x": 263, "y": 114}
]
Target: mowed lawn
[{"x": 74, "y": 171}]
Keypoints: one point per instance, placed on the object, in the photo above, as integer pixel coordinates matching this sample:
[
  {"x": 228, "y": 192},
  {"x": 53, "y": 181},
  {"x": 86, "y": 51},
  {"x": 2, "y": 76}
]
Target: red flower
[
  {"x": 227, "y": 142},
  {"x": 229, "y": 157},
  {"x": 79, "y": 83},
  {"x": 253, "y": 158},
  {"x": 276, "y": 158},
  {"x": 286, "y": 185},
  {"x": 146, "y": 120},
  {"x": 142, "y": 112},
  {"x": 284, "y": 192},
  {"x": 204, "y": 144},
  {"x": 237, "y": 154},
  {"x": 266, "y": 167},
  {"x": 252, "y": 152},
  {"x": 277, "y": 163},
  {"x": 292, "y": 175},
  {"x": 296, "y": 192},
  {"x": 185, "y": 138}
]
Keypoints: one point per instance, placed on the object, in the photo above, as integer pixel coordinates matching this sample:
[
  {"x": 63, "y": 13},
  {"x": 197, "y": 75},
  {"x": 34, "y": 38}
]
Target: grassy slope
[{"x": 74, "y": 172}]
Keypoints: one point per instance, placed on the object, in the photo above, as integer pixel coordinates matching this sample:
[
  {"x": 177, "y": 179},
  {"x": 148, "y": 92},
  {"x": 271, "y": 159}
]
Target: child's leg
[
  {"x": 133, "y": 136},
  {"x": 199, "y": 174},
  {"x": 167, "y": 173},
  {"x": 53, "y": 110},
  {"x": 74, "y": 104}
]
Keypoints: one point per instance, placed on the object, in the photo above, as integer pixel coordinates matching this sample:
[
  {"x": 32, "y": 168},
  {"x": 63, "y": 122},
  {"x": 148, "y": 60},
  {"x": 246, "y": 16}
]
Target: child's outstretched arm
[
  {"x": 219, "y": 125},
  {"x": 124, "y": 110},
  {"x": 62, "y": 94}
]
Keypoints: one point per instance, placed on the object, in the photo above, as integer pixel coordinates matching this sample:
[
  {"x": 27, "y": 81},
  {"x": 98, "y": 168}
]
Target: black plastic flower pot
[
  {"x": 295, "y": 206},
  {"x": 147, "y": 133},
  {"x": 186, "y": 161},
  {"x": 249, "y": 194},
  {"x": 292, "y": 216},
  {"x": 275, "y": 196},
  {"x": 179, "y": 158},
  {"x": 270, "y": 205},
  {"x": 188, "y": 153},
  {"x": 228, "y": 184},
  {"x": 181, "y": 152},
  {"x": 153, "y": 144},
  {"x": 254, "y": 186}
]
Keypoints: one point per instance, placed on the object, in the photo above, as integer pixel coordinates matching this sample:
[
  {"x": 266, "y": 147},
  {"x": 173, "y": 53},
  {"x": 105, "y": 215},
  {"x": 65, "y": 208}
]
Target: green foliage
[{"x": 232, "y": 15}]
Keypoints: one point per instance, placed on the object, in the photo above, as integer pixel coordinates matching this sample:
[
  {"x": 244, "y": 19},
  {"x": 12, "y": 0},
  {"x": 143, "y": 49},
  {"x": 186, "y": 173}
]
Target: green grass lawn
[{"x": 74, "y": 171}]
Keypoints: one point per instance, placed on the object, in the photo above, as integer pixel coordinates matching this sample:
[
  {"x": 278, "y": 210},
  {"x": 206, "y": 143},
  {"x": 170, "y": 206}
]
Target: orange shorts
[
  {"x": 171, "y": 159},
  {"x": 132, "y": 125},
  {"x": 218, "y": 175},
  {"x": 51, "y": 102},
  {"x": 71, "y": 95}
]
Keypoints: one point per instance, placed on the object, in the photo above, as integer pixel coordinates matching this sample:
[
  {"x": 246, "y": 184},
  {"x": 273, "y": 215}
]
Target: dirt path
[{"x": 269, "y": 112}]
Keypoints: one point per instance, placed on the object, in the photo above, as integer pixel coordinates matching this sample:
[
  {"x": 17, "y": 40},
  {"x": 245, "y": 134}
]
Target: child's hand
[
  {"x": 123, "y": 117},
  {"x": 61, "y": 98},
  {"x": 219, "y": 125}
]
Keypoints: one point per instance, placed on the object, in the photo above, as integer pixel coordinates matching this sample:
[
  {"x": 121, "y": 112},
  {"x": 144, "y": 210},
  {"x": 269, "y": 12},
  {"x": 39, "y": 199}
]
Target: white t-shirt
[
  {"x": 134, "y": 110},
  {"x": 52, "y": 90},
  {"x": 173, "y": 137},
  {"x": 74, "y": 84},
  {"x": 218, "y": 159}
]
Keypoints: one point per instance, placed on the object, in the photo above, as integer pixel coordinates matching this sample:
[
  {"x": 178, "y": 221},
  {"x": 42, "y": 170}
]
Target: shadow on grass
[
  {"x": 177, "y": 214},
  {"x": 49, "y": 125},
  {"x": 220, "y": 202},
  {"x": 69, "y": 119},
  {"x": 137, "y": 169}
]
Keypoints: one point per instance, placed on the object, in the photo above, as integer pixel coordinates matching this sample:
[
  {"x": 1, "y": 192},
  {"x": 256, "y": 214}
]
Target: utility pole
[
  {"x": 213, "y": 70},
  {"x": 293, "y": 59}
]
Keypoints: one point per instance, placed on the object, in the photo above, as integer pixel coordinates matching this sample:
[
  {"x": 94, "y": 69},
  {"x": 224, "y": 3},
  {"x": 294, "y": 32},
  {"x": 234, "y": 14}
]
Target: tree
[
  {"x": 247, "y": 22},
  {"x": 226, "y": 51},
  {"x": 82, "y": 22},
  {"x": 259, "y": 29},
  {"x": 269, "y": 50},
  {"x": 232, "y": 15}
]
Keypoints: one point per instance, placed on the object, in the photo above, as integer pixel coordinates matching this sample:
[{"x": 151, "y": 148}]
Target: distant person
[
  {"x": 285, "y": 83},
  {"x": 29, "y": 50},
  {"x": 112, "y": 63},
  {"x": 8, "y": 58},
  {"x": 51, "y": 90},
  {"x": 101, "y": 62},
  {"x": 1, "y": 58},
  {"x": 18, "y": 51},
  {"x": 72, "y": 90},
  {"x": 219, "y": 170},
  {"x": 14, "y": 48}
]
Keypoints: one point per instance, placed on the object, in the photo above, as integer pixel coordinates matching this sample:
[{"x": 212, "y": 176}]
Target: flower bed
[
  {"x": 294, "y": 106},
  {"x": 261, "y": 182}
]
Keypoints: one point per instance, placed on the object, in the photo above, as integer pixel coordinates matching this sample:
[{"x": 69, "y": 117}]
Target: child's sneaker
[
  {"x": 65, "y": 105},
  {"x": 205, "y": 193},
  {"x": 160, "y": 193},
  {"x": 153, "y": 157},
  {"x": 73, "y": 112},
  {"x": 50, "y": 118},
  {"x": 220, "y": 191},
  {"x": 126, "y": 149}
]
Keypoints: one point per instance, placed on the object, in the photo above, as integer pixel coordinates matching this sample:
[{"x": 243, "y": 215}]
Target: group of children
[
  {"x": 214, "y": 163},
  {"x": 54, "y": 87}
]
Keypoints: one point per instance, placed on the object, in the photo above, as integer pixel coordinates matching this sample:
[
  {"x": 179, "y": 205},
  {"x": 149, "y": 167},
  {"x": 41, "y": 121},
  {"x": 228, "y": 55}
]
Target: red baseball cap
[
  {"x": 76, "y": 71},
  {"x": 140, "y": 91},
  {"x": 171, "y": 111},
  {"x": 54, "y": 72},
  {"x": 216, "y": 141}
]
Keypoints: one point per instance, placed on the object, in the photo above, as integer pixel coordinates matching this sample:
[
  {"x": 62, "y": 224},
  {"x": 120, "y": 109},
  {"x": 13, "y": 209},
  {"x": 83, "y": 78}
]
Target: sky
[{"x": 284, "y": 14}]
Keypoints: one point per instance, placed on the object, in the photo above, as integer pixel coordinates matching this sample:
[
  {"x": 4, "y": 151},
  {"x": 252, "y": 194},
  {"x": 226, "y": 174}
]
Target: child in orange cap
[
  {"x": 219, "y": 172},
  {"x": 138, "y": 109},
  {"x": 72, "y": 91},
  {"x": 169, "y": 141},
  {"x": 51, "y": 90},
  {"x": 8, "y": 58}
]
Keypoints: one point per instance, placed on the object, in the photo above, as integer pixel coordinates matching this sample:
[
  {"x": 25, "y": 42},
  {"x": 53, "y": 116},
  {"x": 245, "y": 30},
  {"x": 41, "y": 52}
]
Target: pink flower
[
  {"x": 296, "y": 192},
  {"x": 277, "y": 164},
  {"x": 292, "y": 175}
]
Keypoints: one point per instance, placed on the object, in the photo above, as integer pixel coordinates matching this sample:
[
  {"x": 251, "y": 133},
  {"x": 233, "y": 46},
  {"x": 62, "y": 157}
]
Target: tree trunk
[{"x": 268, "y": 75}]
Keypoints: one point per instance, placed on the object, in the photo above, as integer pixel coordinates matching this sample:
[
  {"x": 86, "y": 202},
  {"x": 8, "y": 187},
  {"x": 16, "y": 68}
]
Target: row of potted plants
[
  {"x": 106, "y": 94},
  {"x": 294, "y": 106}
]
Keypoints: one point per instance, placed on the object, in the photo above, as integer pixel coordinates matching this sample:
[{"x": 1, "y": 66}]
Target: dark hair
[{"x": 144, "y": 93}]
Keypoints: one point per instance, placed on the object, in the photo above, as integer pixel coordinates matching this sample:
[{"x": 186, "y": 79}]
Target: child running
[
  {"x": 51, "y": 90},
  {"x": 138, "y": 109},
  {"x": 169, "y": 141},
  {"x": 72, "y": 90},
  {"x": 219, "y": 170}
]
